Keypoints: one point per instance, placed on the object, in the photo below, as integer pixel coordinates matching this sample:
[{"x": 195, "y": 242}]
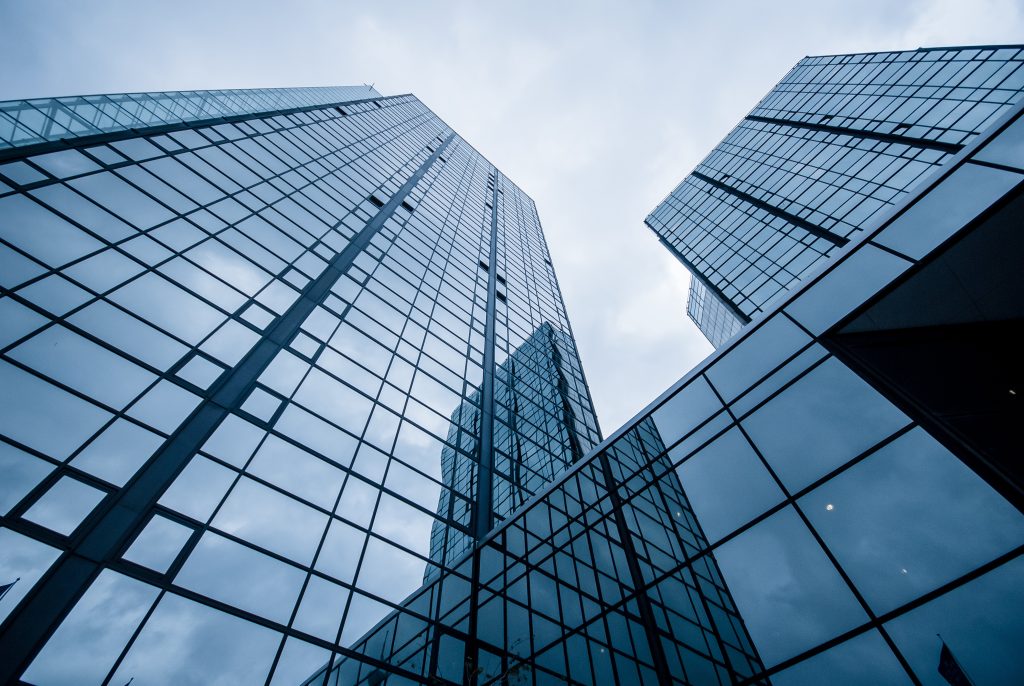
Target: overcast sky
[{"x": 596, "y": 109}]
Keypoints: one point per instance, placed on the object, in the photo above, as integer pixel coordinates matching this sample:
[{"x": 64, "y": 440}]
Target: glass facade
[
  {"x": 350, "y": 442},
  {"x": 828, "y": 152},
  {"x": 783, "y": 514},
  {"x": 270, "y": 359}
]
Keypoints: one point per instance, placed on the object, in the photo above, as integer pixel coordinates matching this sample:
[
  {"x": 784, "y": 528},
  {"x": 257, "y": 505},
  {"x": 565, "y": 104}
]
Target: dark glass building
[
  {"x": 835, "y": 485},
  {"x": 836, "y": 144}
]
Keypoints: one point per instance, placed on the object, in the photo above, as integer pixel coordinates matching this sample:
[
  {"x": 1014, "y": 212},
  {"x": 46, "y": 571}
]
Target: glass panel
[
  {"x": 321, "y": 609},
  {"x": 42, "y": 416},
  {"x": 865, "y": 659},
  {"x": 22, "y": 472},
  {"x": 389, "y": 572},
  {"x": 890, "y": 520},
  {"x": 298, "y": 662},
  {"x": 685, "y": 410},
  {"x": 982, "y": 624},
  {"x": 939, "y": 214},
  {"x": 240, "y": 576},
  {"x": 188, "y": 644},
  {"x": 298, "y": 472},
  {"x": 727, "y": 485},
  {"x": 65, "y": 505},
  {"x": 774, "y": 341},
  {"x": 199, "y": 488},
  {"x": 158, "y": 544},
  {"x": 272, "y": 520},
  {"x": 117, "y": 453},
  {"x": 864, "y": 273},
  {"x": 85, "y": 646},
  {"x": 839, "y": 416},
  {"x": 164, "y": 406},
  {"x": 789, "y": 595}
]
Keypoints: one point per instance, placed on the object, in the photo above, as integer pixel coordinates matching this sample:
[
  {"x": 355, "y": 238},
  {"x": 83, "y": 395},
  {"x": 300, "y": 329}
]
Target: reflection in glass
[
  {"x": 158, "y": 544},
  {"x": 241, "y": 576},
  {"x": 272, "y": 520},
  {"x": 65, "y": 505},
  {"x": 117, "y": 453},
  {"x": 22, "y": 472},
  {"x": 23, "y": 561},
  {"x": 982, "y": 624},
  {"x": 83, "y": 649},
  {"x": 910, "y": 518},
  {"x": 839, "y": 417},
  {"x": 865, "y": 659},
  {"x": 188, "y": 644},
  {"x": 788, "y": 593},
  {"x": 727, "y": 485}
]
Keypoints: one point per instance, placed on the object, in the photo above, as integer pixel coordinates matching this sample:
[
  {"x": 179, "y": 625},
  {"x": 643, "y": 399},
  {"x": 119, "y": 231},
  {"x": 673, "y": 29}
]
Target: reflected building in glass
[
  {"x": 539, "y": 430},
  {"x": 376, "y": 461},
  {"x": 836, "y": 144}
]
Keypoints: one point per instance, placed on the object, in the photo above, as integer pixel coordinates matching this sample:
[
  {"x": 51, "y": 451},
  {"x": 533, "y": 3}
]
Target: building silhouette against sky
[
  {"x": 836, "y": 144},
  {"x": 289, "y": 396}
]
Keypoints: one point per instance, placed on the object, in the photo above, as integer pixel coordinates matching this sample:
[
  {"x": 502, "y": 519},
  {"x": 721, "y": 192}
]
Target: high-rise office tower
[
  {"x": 813, "y": 503},
  {"x": 835, "y": 145},
  {"x": 250, "y": 341}
]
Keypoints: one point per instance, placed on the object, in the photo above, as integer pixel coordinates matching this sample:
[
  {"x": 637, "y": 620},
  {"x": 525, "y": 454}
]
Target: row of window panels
[
  {"x": 906, "y": 69},
  {"x": 32, "y": 121},
  {"x": 957, "y": 116},
  {"x": 304, "y": 129},
  {"x": 760, "y": 282},
  {"x": 181, "y": 171},
  {"x": 715, "y": 320},
  {"x": 852, "y": 208},
  {"x": 374, "y": 431}
]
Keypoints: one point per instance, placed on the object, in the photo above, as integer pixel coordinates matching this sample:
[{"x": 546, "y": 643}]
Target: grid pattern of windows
[
  {"x": 237, "y": 360},
  {"x": 824, "y": 155},
  {"x": 773, "y": 519}
]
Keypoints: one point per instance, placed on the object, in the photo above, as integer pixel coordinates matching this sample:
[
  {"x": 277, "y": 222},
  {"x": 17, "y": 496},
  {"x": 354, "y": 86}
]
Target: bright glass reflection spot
[
  {"x": 65, "y": 505},
  {"x": 830, "y": 507}
]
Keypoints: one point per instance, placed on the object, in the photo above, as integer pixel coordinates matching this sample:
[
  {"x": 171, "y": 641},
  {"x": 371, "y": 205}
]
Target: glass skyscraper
[
  {"x": 836, "y": 144},
  {"x": 270, "y": 359},
  {"x": 370, "y": 458}
]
